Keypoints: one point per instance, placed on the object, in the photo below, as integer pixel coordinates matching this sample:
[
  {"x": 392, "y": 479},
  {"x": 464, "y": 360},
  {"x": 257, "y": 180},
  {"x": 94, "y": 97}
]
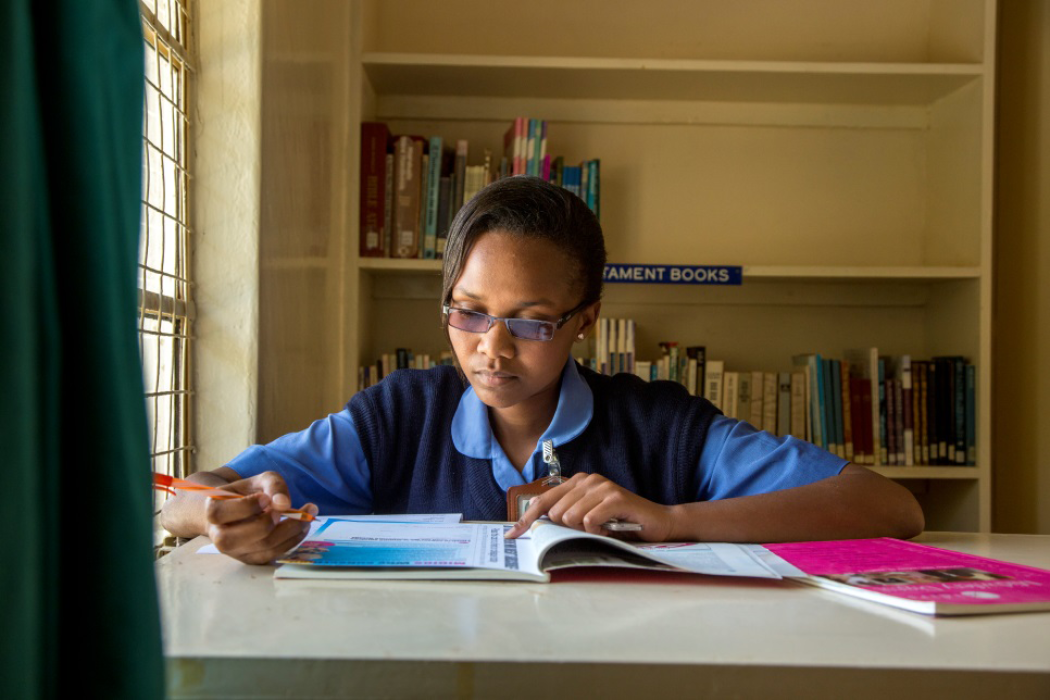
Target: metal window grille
[{"x": 166, "y": 309}]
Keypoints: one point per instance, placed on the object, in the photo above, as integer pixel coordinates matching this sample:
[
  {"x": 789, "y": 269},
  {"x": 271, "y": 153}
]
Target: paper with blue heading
[{"x": 372, "y": 550}]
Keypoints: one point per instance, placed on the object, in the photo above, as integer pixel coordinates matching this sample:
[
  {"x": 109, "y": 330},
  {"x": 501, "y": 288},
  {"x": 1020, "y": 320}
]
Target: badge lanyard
[{"x": 518, "y": 497}]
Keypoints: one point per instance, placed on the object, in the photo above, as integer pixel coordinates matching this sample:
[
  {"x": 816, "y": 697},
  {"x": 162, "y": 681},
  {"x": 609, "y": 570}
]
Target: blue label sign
[{"x": 674, "y": 274}]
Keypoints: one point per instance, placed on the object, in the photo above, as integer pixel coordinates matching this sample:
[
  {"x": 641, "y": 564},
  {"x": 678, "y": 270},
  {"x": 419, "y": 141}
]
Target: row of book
[
  {"x": 401, "y": 358},
  {"x": 867, "y": 408},
  {"x": 412, "y": 187}
]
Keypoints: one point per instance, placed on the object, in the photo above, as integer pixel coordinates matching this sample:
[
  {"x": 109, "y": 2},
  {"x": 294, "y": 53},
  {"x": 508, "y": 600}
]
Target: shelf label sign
[{"x": 674, "y": 274}]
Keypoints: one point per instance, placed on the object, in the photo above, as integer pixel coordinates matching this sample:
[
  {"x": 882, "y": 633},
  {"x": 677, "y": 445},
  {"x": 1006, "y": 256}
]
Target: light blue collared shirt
[{"x": 326, "y": 465}]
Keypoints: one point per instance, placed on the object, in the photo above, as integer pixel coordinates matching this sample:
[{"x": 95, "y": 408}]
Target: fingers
[
  {"x": 270, "y": 483},
  {"x": 567, "y": 504},
  {"x": 257, "y": 540}
]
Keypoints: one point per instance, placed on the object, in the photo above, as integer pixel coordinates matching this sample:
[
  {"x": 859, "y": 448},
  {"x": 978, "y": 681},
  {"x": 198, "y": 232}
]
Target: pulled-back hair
[{"x": 529, "y": 207}]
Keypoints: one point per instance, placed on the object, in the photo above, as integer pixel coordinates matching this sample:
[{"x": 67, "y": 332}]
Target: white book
[
  {"x": 713, "y": 382},
  {"x": 743, "y": 403},
  {"x": 642, "y": 369},
  {"x": 798, "y": 405},
  {"x": 730, "y": 393},
  {"x": 784, "y": 404},
  {"x": 769, "y": 402},
  {"x": 757, "y": 406}
]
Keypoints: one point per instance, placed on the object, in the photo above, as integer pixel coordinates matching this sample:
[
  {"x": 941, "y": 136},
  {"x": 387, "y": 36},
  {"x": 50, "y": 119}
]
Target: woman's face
[{"x": 515, "y": 277}]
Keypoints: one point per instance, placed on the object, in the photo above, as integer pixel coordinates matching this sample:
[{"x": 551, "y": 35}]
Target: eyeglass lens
[{"x": 526, "y": 329}]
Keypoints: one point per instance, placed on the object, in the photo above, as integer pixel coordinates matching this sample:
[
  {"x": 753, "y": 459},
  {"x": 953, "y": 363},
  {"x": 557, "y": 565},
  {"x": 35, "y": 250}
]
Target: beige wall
[
  {"x": 1022, "y": 303},
  {"x": 226, "y": 229}
]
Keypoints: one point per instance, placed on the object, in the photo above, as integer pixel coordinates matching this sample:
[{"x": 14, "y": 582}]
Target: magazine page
[
  {"x": 712, "y": 558},
  {"x": 935, "y": 580},
  {"x": 342, "y": 543},
  {"x": 321, "y": 520}
]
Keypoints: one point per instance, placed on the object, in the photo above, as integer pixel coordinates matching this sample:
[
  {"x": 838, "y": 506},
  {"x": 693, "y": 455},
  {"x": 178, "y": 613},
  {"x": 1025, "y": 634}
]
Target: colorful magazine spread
[
  {"x": 918, "y": 577},
  {"x": 343, "y": 549}
]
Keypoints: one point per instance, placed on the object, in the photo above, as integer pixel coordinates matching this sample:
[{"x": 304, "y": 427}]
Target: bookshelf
[{"x": 840, "y": 152}]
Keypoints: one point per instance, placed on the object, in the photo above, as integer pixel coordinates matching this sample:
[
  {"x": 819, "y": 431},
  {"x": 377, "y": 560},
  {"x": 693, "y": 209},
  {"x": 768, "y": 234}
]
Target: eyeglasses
[{"x": 522, "y": 328}]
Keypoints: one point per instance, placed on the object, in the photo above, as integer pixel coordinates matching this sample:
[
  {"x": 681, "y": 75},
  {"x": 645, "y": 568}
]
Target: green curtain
[{"x": 77, "y": 591}]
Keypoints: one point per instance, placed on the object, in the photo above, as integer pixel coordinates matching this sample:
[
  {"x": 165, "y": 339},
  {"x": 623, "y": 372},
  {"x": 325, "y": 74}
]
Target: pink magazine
[{"x": 918, "y": 577}]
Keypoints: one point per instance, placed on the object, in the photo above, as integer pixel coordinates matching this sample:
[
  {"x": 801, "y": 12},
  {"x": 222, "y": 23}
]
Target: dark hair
[{"x": 531, "y": 208}]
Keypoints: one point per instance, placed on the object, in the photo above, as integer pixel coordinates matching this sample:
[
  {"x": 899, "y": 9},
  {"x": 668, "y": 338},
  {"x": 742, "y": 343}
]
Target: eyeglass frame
[{"x": 446, "y": 308}]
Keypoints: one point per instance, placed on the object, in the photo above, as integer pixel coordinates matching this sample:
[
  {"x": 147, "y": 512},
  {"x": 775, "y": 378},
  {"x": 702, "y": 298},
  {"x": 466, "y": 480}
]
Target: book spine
[
  {"x": 971, "y": 415},
  {"x": 907, "y": 421},
  {"x": 816, "y": 385},
  {"x": 424, "y": 190},
  {"x": 731, "y": 394},
  {"x": 374, "y": 138},
  {"x": 532, "y": 147},
  {"x": 884, "y": 450},
  {"x": 744, "y": 393},
  {"x": 433, "y": 199},
  {"x": 798, "y": 405},
  {"x": 960, "y": 410},
  {"x": 545, "y": 159},
  {"x": 388, "y": 207},
  {"x": 770, "y": 391},
  {"x": 443, "y": 215},
  {"x": 829, "y": 407},
  {"x": 406, "y": 210},
  {"x": 698, "y": 353},
  {"x": 857, "y": 419},
  {"x": 847, "y": 410},
  {"x": 891, "y": 422},
  {"x": 462, "y": 151},
  {"x": 758, "y": 381},
  {"x": 784, "y": 404},
  {"x": 713, "y": 382},
  {"x": 522, "y": 137}
]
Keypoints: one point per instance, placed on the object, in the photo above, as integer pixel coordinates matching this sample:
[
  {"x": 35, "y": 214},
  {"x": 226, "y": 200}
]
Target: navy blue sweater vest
[{"x": 644, "y": 436}]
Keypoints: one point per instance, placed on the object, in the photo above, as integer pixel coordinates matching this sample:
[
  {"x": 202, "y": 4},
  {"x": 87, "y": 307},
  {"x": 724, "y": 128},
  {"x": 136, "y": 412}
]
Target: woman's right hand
[{"x": 250, "y": 529}]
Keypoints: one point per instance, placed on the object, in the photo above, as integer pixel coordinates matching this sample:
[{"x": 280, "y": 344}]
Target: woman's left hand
[{"x": 587, "y": 501}]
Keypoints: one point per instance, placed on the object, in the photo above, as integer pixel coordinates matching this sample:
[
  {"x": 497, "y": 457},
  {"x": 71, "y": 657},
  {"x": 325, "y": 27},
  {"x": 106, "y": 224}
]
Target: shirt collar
[{"x": 472, "y": 435}]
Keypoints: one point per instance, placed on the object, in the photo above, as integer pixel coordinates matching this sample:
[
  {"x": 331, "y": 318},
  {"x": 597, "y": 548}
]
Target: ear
[{"x": 588, "y": 318}]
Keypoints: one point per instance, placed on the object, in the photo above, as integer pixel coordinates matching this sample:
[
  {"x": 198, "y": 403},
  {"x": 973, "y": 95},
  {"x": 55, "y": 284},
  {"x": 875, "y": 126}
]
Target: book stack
[
  {"x": 412, "y": 187},
  {"x": 402, "y": 358}
]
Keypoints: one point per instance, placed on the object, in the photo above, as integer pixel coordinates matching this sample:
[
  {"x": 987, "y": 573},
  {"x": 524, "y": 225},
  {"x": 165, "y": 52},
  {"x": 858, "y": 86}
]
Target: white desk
[{"x": 231, "y": 630}]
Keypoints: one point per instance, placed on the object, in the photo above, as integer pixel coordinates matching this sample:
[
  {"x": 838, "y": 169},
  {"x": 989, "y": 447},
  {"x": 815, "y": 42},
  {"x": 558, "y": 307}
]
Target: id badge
[{"x": 518, "y": 497}]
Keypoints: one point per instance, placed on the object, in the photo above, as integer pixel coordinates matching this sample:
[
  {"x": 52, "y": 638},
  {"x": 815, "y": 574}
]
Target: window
[{"x": 166, "y": 308}]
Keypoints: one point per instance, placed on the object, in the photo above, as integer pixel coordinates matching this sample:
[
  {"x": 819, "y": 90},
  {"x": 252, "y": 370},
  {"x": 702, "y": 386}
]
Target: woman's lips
[{"x": 494, "y": 379}]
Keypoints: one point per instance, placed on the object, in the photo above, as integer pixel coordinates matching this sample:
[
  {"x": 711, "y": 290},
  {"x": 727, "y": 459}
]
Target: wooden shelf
[
  {"x": 643, "y": 79},
  {"x": 912, "y": 472}
]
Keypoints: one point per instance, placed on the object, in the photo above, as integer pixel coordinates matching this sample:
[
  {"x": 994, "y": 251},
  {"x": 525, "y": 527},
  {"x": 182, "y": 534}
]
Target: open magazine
[
  {"x": 342, "y": 549},
  {"x": 918, "y": 577}
]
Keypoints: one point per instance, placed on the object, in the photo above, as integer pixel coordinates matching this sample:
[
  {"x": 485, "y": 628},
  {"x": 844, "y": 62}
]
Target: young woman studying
[{"x": 522, "y": 283}]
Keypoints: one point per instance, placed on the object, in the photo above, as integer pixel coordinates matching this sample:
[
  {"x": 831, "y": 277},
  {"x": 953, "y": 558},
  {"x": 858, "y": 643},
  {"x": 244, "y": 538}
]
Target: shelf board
[
  {"x": 644, "y": 79},
  {"x": 399, "y": 265},
  {"x": 928, "y": 472}
]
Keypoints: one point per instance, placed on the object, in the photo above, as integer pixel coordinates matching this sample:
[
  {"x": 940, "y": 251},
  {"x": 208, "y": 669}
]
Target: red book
[{"x": 374, "y": 139}]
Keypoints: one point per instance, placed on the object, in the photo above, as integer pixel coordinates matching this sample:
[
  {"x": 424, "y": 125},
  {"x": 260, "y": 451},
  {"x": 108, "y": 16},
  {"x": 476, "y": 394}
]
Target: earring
[{"x": 580, "y": 336}]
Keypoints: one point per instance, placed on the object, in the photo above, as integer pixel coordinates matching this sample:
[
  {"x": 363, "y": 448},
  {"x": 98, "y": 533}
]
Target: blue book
[
  {"x": 836, "y": 395},
  {"x": 971, "y": 415},
  {"x": 594, "y": 190},
  {"x": 821, "y": 417},
  {"x": 432, "y": 202}
]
